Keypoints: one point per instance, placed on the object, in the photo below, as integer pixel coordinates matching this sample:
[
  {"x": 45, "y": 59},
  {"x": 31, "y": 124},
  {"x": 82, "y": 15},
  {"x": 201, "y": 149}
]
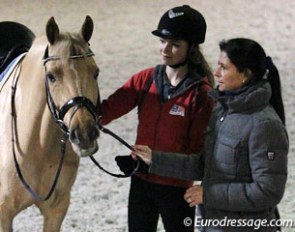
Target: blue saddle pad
[
  {"x": 2, "y": 75},
  {"x": 10, "y": 66}
]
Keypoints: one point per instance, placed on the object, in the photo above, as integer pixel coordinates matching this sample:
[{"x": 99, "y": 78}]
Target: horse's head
[{"x": 71, "y": 85}]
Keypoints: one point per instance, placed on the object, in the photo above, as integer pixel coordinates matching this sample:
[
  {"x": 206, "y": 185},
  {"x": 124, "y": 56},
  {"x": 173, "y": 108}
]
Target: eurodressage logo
[
  {"x": 172, "y": 14},
  {"x": 177, "y": 110}
]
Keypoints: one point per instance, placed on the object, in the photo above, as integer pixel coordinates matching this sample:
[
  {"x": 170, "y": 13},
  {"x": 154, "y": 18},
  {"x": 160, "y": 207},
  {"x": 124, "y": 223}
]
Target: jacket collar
[
  {"x": 190, "y": 80},
  {"x": 244, "y": 100}
]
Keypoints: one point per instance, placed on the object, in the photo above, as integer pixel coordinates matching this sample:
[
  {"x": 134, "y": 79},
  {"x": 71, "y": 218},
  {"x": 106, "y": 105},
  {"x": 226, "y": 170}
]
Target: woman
[
  {"x": 173, "y": 111},
  {"x": 246, "y": 145}
]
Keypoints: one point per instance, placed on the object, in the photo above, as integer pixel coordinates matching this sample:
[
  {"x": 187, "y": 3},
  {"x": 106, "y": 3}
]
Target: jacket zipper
[{"x": 224, "y": 114}]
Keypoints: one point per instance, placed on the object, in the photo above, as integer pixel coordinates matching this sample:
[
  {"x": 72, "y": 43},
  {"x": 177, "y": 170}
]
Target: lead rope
[{"x": 107, "y": 131}]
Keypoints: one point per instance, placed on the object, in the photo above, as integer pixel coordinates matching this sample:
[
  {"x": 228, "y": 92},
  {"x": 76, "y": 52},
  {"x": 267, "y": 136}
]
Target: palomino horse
[{"x": 55, "y": 87}]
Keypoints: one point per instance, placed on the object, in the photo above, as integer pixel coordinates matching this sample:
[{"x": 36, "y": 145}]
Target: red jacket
[{"x": 176, "y": 125}]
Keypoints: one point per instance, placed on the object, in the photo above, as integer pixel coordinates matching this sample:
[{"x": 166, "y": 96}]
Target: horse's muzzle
[{"x": 84, "y": 138}]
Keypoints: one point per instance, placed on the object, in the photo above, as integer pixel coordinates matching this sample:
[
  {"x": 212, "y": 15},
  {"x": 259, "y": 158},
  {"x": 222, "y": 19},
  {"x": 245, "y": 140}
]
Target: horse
[{"x": 49, "y": 101}]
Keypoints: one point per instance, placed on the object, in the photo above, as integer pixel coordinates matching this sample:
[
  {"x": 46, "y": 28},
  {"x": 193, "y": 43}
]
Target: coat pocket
[
  {"x": 225, "y": 157},
  {"x": 226, "y": 151}
]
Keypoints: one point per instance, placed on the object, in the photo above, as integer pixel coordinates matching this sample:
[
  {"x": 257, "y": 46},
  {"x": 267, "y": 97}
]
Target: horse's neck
[
  {"x": 32, "y": 65},
  {"x": 32, "y": 104},
  {"x": 31, "y": 80},
  {"x": 33, "y": 60}
]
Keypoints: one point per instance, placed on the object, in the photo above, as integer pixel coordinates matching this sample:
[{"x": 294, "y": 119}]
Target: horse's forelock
[{"x": 70, "y": 44}]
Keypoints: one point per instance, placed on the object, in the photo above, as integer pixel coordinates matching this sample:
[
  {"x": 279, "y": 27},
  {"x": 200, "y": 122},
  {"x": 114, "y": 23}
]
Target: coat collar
[
  {"x": 245, "y": 100},
  {"x": 191, "y": 79}
]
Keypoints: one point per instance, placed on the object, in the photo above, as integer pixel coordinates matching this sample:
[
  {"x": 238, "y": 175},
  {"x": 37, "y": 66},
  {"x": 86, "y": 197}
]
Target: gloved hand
[{"x": 127, "y": 165}]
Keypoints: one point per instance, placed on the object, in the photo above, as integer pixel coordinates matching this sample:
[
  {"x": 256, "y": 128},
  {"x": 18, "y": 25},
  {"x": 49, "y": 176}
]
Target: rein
[
  {"x": 79, "y": 102},
  {"x": 135, "y": 170},
  {"x": 58, "y": 116},
  {"x": 14, "y": 139}
]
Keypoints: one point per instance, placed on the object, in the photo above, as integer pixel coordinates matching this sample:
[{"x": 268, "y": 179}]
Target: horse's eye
[{"x": 50, "y": 77}]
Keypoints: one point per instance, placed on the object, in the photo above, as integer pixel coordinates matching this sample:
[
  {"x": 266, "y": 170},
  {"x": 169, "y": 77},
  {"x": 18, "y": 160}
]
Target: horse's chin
[{"x": 85, "y": 152}]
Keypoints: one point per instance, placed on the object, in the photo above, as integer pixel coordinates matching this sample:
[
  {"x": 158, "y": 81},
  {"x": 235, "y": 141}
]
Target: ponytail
[{"x": 276, "y": 97}]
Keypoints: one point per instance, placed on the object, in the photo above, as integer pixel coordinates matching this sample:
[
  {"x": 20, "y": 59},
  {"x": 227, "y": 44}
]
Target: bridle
[
  {"x": 76, "y": 102},
  {"x": 58, "y": 115}
]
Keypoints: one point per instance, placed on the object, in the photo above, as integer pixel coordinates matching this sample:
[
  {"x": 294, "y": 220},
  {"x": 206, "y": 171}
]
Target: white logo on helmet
[{"x": 173, "y": 14}]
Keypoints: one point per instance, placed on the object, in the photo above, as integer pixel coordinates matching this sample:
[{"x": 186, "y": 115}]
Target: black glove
[{"x": 127, "y": 165}]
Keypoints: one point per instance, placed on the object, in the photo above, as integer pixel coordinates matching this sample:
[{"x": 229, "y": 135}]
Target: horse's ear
[
  {"x": 87, "y": 28},
  {"x": 52, "y": 30}
]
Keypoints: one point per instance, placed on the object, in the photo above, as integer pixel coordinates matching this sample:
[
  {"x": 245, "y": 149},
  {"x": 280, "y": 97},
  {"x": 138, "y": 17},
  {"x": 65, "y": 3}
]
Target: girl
[{"x": 174, "y": 110}]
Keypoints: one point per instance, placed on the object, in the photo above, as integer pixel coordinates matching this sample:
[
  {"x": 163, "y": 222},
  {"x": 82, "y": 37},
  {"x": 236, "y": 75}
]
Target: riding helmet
[{"x": 184, "y": 23}]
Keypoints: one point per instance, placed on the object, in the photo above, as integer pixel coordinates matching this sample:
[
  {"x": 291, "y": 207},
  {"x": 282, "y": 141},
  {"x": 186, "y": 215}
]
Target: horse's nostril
[
  {"x": 74, "y": 136},
  {"x": 84, "y": 138},
  {"x": 94, "y": 134}
]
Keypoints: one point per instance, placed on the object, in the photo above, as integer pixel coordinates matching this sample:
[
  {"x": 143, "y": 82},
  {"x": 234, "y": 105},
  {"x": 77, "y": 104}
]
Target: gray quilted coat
[{"x": 243, "y": 166}]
